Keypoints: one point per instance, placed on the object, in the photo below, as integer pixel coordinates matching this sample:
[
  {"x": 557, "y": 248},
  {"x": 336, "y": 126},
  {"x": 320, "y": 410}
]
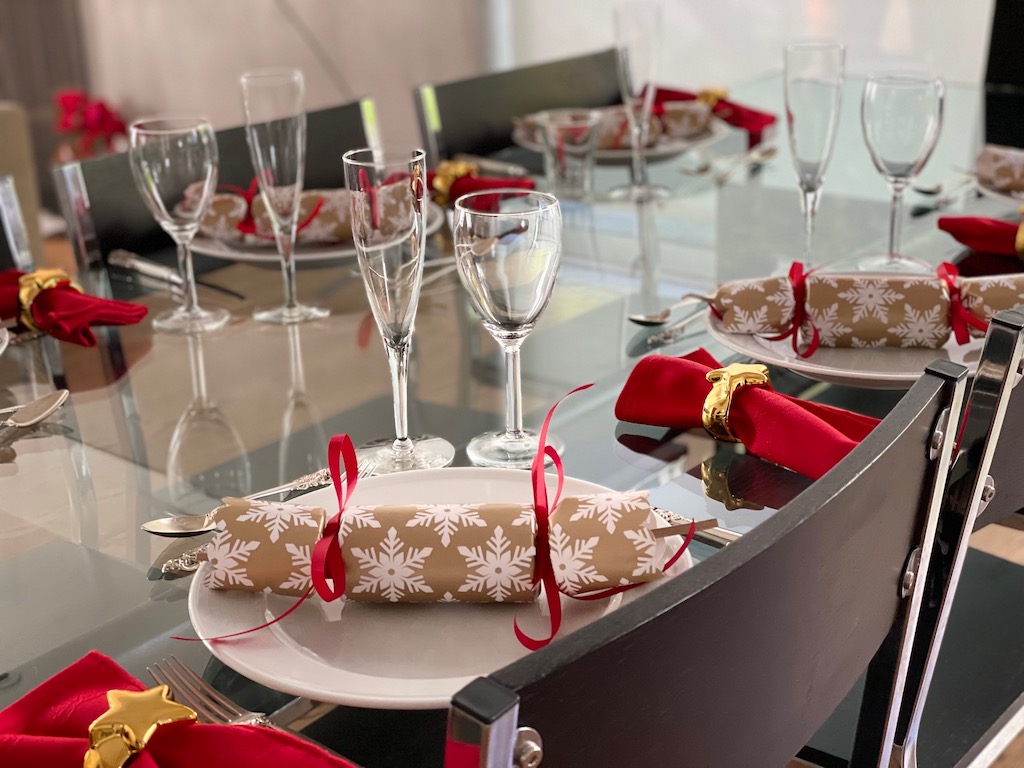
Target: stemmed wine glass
[
  {"x": 174, "y": 163},
  {"x": 813, "y": 91},
  {"x": 388, "y": 204},
  {"x": 507, "y": 246},
  {"x": 302, "y": 432},
  {"x": 637, "y": 38},
  {"x": 275, "y": 128},
  {"x": 901, "y": 115}
]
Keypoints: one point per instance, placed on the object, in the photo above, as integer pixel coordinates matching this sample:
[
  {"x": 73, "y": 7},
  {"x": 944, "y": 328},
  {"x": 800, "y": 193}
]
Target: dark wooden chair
[
  {"x": 1004, "y": 75},
  {"x": 105, "y": 210},
  {"x": 739, "y": 660},
  {"x": 474, "y": 116}
]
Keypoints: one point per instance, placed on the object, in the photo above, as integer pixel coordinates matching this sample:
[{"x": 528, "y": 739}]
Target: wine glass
[
  {"x": 813, "y": 91},
  {"x": 388, "y": 204},
  {"x": 174, "y": 163},
  {"x": 275, "y": 128},
  {"x": 901, "y": 115},
  {"x": 637, "y": 39},
  {"x": 301, "y": 450},
  {"x": 507, "y": 246}
]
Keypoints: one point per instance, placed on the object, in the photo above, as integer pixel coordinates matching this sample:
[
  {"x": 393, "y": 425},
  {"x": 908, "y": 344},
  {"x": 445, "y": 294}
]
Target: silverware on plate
[{"x": 194, "y": 692}]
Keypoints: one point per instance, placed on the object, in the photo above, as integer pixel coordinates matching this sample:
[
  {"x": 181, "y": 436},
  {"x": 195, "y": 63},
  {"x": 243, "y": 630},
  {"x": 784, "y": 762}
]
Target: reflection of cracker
[{"x": 222, "y": 218}]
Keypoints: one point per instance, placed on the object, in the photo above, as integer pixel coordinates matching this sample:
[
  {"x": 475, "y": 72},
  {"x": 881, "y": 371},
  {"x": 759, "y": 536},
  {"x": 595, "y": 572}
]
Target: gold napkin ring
[
  {"x": 724, "y": 383},
  {"x": 445, "y": 174},
  {"x": 31, "y": 284},
  {"x": 711, "y": 96},
  {"x": 127, "y": 726},
  {"x": 1018, "y": 242}
]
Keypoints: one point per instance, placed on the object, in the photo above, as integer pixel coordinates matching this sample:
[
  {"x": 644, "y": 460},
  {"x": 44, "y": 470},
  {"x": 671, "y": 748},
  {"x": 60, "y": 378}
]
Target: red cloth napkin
[
  {"x": 981, "y": 234},
  {"x": 49, "y": 728},
  {"x": 65, "y": 313},
  {"x": 753, "y": 121},
  {"x": 806, "y": 437}
]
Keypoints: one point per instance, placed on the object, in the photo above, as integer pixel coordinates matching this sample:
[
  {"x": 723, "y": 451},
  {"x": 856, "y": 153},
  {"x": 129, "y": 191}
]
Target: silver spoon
[
  {"x": 660, "y": 318},
  {"x": 31, "y": 414},
  {"x": 758, "y": 154},
  {"x": 485, "y": 246}
]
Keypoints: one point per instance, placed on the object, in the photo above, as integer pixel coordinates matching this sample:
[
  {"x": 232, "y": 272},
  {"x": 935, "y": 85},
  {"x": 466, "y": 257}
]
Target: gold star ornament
[{"x": 125, "y": 728}]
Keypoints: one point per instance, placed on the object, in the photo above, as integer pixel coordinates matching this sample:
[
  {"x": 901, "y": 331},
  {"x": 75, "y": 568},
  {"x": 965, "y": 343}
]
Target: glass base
[
  {"x": 497, "y": 449},
  {"x": 893, "y": 262},
  {"x": 301, "y": 313},
  {"x": 378, "y": 457},
  {"x": 196, "y": 321},
  {"x": 639, "y": 194}
]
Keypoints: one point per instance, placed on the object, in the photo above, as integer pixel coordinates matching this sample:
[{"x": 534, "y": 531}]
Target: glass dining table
[{"x": 161, "y": 424}]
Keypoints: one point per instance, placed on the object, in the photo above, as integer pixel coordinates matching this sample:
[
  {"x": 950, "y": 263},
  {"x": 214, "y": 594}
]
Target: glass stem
[
  {"x": 639, "y": 168},
  {"x": 513, "y": 389},
  {"x": 286, "y": 245},
  {"x": 190, "y": 303},
  {"x": 398, "y": 359},
  {"x": 896, "y": 220},
  {"x": 810, "y": 203},
  {"x": 197, "y": 366}
]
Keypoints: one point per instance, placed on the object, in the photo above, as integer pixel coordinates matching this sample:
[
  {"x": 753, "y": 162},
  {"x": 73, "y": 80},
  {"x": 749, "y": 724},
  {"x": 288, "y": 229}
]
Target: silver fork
[{"x": 193, "y": 691}]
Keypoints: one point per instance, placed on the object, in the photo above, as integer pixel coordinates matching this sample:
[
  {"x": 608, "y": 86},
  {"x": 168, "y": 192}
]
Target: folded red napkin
[
  {"x": 753, "y": 121},
  {"x": 982, "y": 234},
  {"x": 49, "y": 728},
  {"x": 806, "y": 437},
  {"x": 465, "y": 184},
  {"x": 66, "y": 313}
]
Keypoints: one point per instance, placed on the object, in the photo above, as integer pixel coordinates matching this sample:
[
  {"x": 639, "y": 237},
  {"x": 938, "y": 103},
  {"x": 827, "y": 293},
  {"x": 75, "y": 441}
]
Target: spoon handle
[{"x": 672, "y": 332}]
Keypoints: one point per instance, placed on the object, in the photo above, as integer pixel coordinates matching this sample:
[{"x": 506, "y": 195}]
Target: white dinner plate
[
  {"x": 388, "y": 656},
  {"x": 664, "y": 148},
  {"x": 1011, "y": 198},
  {"x": 884, "y": 368},
  {"x": 304, "y": 252}
]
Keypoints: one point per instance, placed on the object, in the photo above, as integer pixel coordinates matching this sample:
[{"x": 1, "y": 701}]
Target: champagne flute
[
  {"x": 637, "y": 38},
  {"x": 901, "y": 115},
  {"x": 275, "y": 128},
  {"x": 388, "y": 204},
  {"x": 507, "y": 247},
  {"x": 174, "y": 163},
  {"x": 813, "y": 91}
]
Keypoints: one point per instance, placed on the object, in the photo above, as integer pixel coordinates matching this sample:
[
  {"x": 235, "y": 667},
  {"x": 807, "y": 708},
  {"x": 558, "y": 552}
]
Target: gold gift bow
[
  {"x": 31, "y": 284},
  {"x": 445, "y": 175},
  {"x": 717, "y": 404},
  {"x": 129, "y": 723}
]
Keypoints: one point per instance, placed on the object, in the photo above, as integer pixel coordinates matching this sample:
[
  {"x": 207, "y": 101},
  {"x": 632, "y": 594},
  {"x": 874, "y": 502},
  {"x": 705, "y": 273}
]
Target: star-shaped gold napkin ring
[
  {"x": 31, "y": 284},
  {"x": 445, "y": 174},
  {"x": 125, "y": 728},
  {"x": 1018, "y": 243},
  {"x": 711, "y": 96},
  {"x": 724, "y": 383}
]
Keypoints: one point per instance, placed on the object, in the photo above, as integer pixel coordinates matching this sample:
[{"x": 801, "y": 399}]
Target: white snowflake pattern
[
  {"x": 277, "y": 518},
  {"x": 393, "y": 571},
  {"x": 784, "y": 298},
  {"x": 826, "y": 320},
  {"x": 227, "y": 557},
  {"x": 867, "y": 344},
  {"x": 357, "y": 517},
  {"x": 647, "y": 550},
  {"x": 920, "y": 329},
  {"x": 606, "y": 507},
  {"x": 830, "y": 280},
  {"x": 870, "y": 298},
  {"x": 738, "y": 286},
  {"x": 570, "y": 561},
  {"x": 446, "y": 519},
  {"x": 526, "y": 516},
  {"x": 448, "y": 597},
  {"x": 496, "y": 568},
  {"x": 300, "y": 578}
]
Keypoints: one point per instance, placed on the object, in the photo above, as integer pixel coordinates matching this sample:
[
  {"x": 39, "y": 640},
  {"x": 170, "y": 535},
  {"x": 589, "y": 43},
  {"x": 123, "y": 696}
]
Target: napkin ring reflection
[
  {"x": 31, "y": 284},
  {"x": 445, "y": 175},
  {"x": 724, "y": 383}
]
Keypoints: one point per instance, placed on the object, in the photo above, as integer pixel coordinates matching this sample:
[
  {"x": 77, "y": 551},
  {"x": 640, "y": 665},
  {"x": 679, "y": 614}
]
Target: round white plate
[
  {"x": 885, "y": 368},
  {"x": 388, "y": 656},
  {"x": 1012, "y": 198},
  {"x": 304, "y": 252},
  {"x": 663, "y": 149}
]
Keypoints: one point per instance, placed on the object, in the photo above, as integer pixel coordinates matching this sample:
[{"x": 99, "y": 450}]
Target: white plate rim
[
  {"x": 304, "y": 252},
  {"x": 779, "y": 353},
  {"x": 238, "y": 658},
  {"x": 662, "y": 149},
  {"x": 1013, "y": 198}
]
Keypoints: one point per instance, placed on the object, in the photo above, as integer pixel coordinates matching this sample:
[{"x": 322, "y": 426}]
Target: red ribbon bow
[
  {"x": 959, "y": 317},
  {"x": 798, "y": 280}
]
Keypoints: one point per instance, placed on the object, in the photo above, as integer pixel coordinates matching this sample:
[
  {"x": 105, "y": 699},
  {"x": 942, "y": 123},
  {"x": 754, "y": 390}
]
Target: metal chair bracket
[
  {"x": 938, "y": 435},
  {"x": 910, "y": 572},
  {"x": 988, "y": 492},
  {"x": 529, "y": 748}
]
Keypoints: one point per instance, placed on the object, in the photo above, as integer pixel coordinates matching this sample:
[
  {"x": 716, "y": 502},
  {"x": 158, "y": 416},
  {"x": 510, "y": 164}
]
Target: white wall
[{"x": 147, "y": 56}]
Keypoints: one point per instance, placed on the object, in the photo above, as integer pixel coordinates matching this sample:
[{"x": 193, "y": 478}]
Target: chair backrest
[
  {"x": 18, "y": 161},
  {"x": 738, "y": 660},
  {"x": 1004, "y": 75},
  {"x": 475, "y": 115},
  {"x": 985, "y": 444},
  {"x": 105, "y": 211},
  {"x": 15, "y": 246}
]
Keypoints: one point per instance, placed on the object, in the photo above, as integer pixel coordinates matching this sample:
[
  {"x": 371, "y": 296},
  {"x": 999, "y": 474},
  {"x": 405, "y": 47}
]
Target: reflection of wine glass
[
  {"x": 303, "y": 441},
  {"x": 814, "y": 86},
  {"x": 901, "y": 116},
  {"x": 388, "y": 199},
  {"x": 507, "y": 246},
  {"x": 206, "y": 453},
  {"x": 637, "y": 38},
  {"x": 275, "y": 127},
  {"x": 174, "y": 162}
]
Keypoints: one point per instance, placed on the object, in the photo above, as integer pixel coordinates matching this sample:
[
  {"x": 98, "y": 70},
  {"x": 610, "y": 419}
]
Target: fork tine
[
  {"x": 204, "y": 688},
  {"x": 160, "y": 677},
  {"x": 198, "y": 692}
]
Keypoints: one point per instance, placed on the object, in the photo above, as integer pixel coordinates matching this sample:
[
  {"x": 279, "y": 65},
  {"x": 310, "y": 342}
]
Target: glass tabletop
[{"x": 167, "y": 425}]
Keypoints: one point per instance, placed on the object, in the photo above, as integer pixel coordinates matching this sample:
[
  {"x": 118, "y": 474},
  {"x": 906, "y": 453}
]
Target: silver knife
[{"x": 135, "y": 263}]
